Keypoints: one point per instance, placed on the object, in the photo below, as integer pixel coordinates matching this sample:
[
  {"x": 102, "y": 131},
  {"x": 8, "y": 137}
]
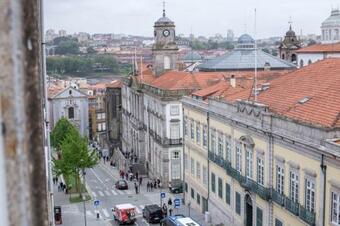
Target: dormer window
[{"x": 70, "y": 92}]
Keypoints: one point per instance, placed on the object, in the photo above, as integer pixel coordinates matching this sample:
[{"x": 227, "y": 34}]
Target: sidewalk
[
  {"x": 154, "y": 197},
  {"x": 73, "y": 213}
]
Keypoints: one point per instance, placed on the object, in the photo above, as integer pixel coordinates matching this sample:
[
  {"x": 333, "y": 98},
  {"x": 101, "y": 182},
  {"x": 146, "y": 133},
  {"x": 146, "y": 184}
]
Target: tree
[
  {"x": 59, "y": 132},
  {"x": 91, "y": 50},
  {"x": 67, "y": 47},
  {"x": 74, "y": 154}
]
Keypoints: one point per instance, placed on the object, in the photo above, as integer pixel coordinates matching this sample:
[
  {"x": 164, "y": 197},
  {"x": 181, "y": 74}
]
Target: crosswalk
[
  {"x": 113, "y": 192},
  {"x": 107, "y": 213}
]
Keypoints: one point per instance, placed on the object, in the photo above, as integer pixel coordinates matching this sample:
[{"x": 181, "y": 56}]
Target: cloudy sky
[{"x": 202, "y": 17}]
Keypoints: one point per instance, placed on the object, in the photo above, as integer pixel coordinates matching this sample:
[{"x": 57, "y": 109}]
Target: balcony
[
  {"x": 168, "y": 141},
  {"x": 293, "y": 207}
]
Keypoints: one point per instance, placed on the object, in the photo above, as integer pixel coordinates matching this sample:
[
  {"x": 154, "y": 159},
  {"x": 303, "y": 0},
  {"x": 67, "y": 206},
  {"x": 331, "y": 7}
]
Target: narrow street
[{"x": 100, "y": 181}]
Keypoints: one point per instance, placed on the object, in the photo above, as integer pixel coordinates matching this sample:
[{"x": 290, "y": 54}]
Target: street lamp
[{"x": 84, "y": 197}]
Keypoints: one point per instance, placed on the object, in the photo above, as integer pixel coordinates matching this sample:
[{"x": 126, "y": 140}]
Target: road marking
[
  {"x": 97, "y": 176},
  {"x": 94, "y": 194},
  {"x": 107, "y": 193},
  {"x": 120, "y": 192},
  {"x": 138, "y": 210},
  {"x": 101, "y": 193},
  {"x": 89, "y": 213},
  {"x": 106, "y": 214},
  {"x": 113, "y": 192}
]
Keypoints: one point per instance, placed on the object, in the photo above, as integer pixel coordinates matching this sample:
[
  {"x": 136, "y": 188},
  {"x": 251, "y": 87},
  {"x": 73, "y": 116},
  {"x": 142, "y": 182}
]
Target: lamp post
[{"x": 84, "y": 197}]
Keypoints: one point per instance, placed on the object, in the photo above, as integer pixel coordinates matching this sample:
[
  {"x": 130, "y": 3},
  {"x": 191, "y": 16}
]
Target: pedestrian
[
  {"x": 137, "y": 175},
  {"x": 148, "y": 186},
  {"x": 155, "y": 184},
  {"x": 56, "y": 180},
  {"x": 165, "y": 210},
  {"x": 169, "y": 202},
  {"x": 126, "y": 176},
  {"x": 170, "y": 211},
  {"x": 151, "y": 186},
  {"x": 140, "y": 180},
  {"x": 158, "y": 182},
  {"x": 59, "y": 189},
  {"x": 136, "y": 188}
]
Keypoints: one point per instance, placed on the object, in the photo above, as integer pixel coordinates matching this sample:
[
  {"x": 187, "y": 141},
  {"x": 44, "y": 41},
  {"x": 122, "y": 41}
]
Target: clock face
[{"x": 166, "y": 33}]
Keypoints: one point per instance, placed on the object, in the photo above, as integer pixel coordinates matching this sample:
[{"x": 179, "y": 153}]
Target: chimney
[{"x": 233, "y": 81}]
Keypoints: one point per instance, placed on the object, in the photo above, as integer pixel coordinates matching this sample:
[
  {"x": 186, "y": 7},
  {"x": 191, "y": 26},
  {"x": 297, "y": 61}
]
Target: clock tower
[{"x": 165, "y": 49}]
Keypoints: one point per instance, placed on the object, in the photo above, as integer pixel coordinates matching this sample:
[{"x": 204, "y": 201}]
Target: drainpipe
[
  {"x": 323, "y": 169},
  {"x": 183, "y": 151},
  {"x": 208, "y": 148}
]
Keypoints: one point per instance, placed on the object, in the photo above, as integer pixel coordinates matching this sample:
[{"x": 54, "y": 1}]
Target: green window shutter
[
  {"x": 259, "y": 215},
  {"x": 238, "y": 203},
  {"x": 213, "y": 182},
  {"x": 278, "y": 222},
  {"x": 227, "y": 193},
  {"x": 220, "y": 185}
]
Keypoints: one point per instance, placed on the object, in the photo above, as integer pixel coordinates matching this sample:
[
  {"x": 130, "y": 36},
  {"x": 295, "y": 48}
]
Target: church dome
[
  {"x": 290, "y": 32},
  {"x": 333, "y": 20},
  {"x": 245, "y": 39},
  {"x": 164, "y": 20}
]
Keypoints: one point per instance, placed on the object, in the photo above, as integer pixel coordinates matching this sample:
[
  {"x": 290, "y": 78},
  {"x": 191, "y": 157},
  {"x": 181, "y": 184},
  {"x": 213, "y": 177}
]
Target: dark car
[
  {"x": 177, "y": 189},
  {"x": 153, "y": 213},
  {"x": 121, "y": 185}
]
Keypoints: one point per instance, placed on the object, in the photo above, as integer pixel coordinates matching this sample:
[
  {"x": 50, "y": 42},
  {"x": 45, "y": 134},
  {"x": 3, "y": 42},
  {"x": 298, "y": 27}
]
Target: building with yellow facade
[{"x": 269, "y": 156}]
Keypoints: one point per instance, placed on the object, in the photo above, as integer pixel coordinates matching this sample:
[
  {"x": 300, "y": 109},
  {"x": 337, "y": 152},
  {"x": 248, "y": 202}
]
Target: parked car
[
  {"x": 124, "y": 213},
  {"x": 176, "y": 189},
  {"x": 153, "y": 213},
  {"x": 122, "y": 185}
]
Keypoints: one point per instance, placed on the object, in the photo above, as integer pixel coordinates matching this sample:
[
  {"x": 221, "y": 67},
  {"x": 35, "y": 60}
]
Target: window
[
  {"x": 260, "y": 170},
  {"x": 99, "y": 116},
  {"x": 174, "y": 110},
  {"x": 301, "y": 63},
  {"x": 192, "y": 133},
  {"x": 259, "y": 216},
  {"x": 213, "y": 142},
  {"x": 192, "y": 193},
  {"x": 175, "y": 170},
  {"x": 174, "y": 130},
  {"x": 310, "y": 194},
  {"x": 278, "y": 222},
  {"x": 192, "y": 167},
  {"x": 228, "y": 148},
  {"x": 249, "y": 162},
  {"x": 238, "y": 158},
  {"x": 220, "y": 145},
  {"x": 104, "y": 126},
  {"x": 280, "y": 174},
  {"x": 186, "y": 126},
  {"x": 294, "y": 186},
  {"x": 205, "y": 175},
  {"x": 227, "y": 193},
  {"x": 186, "y": 186},
  {"x": 213, "y": 182},
  {"x": 335, "y": 214},
  {"x": 198, "y": 133},
  {"x": 309, "y": 61},
  {"x": 205, "y": 136},
  {"x": 175, "y": 154},
  {"x": 198, "y": 170},
  {"x": 71, "y": 112},
  {"x": 238, "y": 203},
  {"x": 220, "y": 191},
  {"x": 103, "y": 115},
  {"x": 186, "y": 162},
  {"x": 198, "y": 198},
  {"x": 99, "y": 127},
  {"x": 167, "y": 63}
]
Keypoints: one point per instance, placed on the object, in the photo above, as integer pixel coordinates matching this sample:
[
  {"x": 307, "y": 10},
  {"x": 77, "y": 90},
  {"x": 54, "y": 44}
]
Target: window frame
[
  {"x": 294, "y": 185},
  {"x": 213, "y": 182},
  {"x": 310, "y": 205},
  {"x": 280, "y": 178},
  {"x": 174, "y": 112},
  {"x": 260, "y": 170},
  {"x": 220, "y": 187},
  {"x": 238, "y": 203}
]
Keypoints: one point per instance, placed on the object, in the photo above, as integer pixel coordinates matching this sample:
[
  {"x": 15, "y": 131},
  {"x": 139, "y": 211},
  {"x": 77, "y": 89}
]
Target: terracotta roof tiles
[{"x": 320, "y": 48}]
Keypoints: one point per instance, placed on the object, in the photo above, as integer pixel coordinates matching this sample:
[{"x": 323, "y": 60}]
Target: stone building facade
[
  {"x": 73, "y": 105},
  {"x": 289, "y": 46},
  {"x": 270, "y": 162}
]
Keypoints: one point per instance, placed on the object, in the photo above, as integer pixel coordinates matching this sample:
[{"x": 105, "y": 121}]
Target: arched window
[
  {"x": 166, "y": 62},
  {"x": 293, "y": 57},
  {"x": 309, "y": 61},
  {"x": 301, "y": 63},
  {"x": 71, "y": 112},
  {"x": 283, "y": 56}
]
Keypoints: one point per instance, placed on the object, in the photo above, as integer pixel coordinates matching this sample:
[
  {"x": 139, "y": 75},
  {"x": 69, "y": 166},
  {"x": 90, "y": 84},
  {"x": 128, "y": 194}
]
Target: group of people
[
  {"x": 133, "y": 157},
  {"x": 62, "y": 187},
  {"x": 153, "y": 184},
  {"x": 165, "y": 208}
]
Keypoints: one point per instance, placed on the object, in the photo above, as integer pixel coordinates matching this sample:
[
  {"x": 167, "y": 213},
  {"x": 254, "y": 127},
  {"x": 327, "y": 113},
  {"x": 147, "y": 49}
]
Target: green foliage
[
  {"x": 198, "y": 45},
  {"x": 73, "y": 151},
  {"x": 83, "y": 64},
  {"x": 67, "y": 47},
  {"x": 91, "y": 50}
]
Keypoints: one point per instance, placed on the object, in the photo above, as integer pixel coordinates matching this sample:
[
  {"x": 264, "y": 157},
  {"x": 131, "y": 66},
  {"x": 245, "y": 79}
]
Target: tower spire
[
  {"x": 290, "y": 23},
  {"x": 163, "y": 8}
]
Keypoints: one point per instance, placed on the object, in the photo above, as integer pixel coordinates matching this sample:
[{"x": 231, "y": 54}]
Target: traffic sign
[
  {"x": 177, "y": 203},
  {"x": 96, "y": 203},
  {"x": 162, "y": 195}
]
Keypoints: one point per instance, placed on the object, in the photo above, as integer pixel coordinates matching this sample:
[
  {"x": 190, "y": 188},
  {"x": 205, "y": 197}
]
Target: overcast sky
[{"x": 203, "y": 17}]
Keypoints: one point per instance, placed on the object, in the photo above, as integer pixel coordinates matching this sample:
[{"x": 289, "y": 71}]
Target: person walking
[
  {"x": 136, "y": 188},
  {"x": 169, "y": 203},
  {"x": 140, "y": 181},
  {"x": 148, "y": 186},
  {"x": 151, "y": 186},
  {"x": 165, "y": 210},
  {"x": 170, "y": 211}
]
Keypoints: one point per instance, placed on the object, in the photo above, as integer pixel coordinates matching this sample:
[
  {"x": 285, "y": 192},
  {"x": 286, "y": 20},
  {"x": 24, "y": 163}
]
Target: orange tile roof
[
  {"x": 320, "y": 48},
  {"x": 310, "y": 94},
  {"x": 115, "y": 84}
]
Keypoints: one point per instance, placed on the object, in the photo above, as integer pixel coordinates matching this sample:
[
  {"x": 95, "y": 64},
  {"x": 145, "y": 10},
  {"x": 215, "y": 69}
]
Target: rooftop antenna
[
  {"x": 255, "y": 77},
  {"x": 163, "y": 8}
]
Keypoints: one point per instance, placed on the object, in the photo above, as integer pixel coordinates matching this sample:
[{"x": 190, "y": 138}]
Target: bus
[{"x": 178, "y": 220}]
